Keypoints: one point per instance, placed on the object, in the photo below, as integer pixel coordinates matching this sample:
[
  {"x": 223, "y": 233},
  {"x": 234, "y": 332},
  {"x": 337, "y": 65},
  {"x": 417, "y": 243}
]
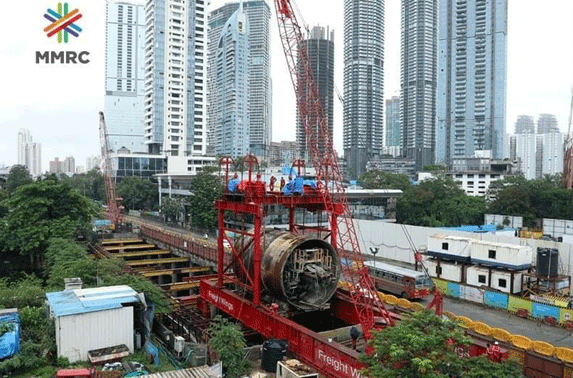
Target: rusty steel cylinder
[{"x": 298, "y": 269}]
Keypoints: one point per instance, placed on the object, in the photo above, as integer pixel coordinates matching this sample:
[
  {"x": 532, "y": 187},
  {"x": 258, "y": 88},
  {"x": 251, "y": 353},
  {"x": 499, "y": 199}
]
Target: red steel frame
[{"x": 114, "y": 209}]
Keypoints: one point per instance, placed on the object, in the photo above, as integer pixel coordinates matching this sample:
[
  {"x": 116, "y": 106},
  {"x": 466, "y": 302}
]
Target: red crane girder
[
  {"x": 114, "y": 210},
  {"x": 325, "y": 162}
]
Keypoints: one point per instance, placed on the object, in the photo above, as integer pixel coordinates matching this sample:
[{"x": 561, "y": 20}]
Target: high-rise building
[
  {"x": 471, "y": 78},
  {"x": 392, "y": 131},
  {"x": 70, "y": 166},
  {"x": 259, "y": 93},
  {"x": 174, "y": 108},
  {"x": 34, "y": 158},
  {"x": 56, "y": 166},
  {"x": 125, "y": 73},
  {"x": 552, "y": 161},
  {"x": 363, "y": 82},
  {"x": 29, "y": 154},
  {"x": 547, "y": 123},
  {"x": 540, "y": 154},
  {"x": 93, "y": 162},
  {"x": 232, "y": 129},
  {"x": 524, "y": 124},
  {"x": 24, "y": 138},
  {"x": 418, "y": 75},
  {"x": 320, "y": 50}
]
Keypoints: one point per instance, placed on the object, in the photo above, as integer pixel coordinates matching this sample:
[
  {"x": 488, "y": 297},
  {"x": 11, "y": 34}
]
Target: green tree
[
  {"x": 206, "y": 188},
  {"x": 422, "y": 346},
  {"x": 40, "y": 211},
  {"x": 3, "y": 196},
  {"x": 531, "y": 199},
  {"x": 18, "y": 176},
  {"x": 377, "y": 179},
  {"x": 172, "y": 208},
  {"x": 138, "y": 193},
  {"x": 229, "y": 343},
  {"x": 90, "y": 184},
  {"x": 439, "y": 202}
]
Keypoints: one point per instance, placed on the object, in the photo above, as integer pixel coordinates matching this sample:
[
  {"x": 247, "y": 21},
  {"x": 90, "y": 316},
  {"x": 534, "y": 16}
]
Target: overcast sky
[{"x": 59, "y": 104}]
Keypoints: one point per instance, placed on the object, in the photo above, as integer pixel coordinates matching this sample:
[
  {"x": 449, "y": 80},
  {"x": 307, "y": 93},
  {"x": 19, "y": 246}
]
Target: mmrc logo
[{"x": 63, "y": 22}]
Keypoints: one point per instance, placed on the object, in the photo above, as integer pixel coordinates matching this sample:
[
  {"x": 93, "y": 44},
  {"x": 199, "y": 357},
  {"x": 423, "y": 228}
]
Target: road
[{"x": 535, "y": 330}]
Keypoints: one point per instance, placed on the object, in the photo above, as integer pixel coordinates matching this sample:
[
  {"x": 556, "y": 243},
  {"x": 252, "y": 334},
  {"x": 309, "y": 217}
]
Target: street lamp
[{"x": 374, "y": 251}]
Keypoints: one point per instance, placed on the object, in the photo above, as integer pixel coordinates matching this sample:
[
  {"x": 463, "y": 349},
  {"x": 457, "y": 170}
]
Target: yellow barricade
[
  {"x": 418, "y": 307},
  {"x": 450, "y": 315},
  {"x": 564, "y": 354},
  {"x": 482, "y": 328},
  {"x": 382, "y": 296},
  {"x": 404, "y": 303},
  {"x": 390, "y": 299},
  {"x": 521, "y": 342},
  {"x": 465, "y": 322},
  {"x": 501, "y": 334},
  {"x": 544, "y": 348}
]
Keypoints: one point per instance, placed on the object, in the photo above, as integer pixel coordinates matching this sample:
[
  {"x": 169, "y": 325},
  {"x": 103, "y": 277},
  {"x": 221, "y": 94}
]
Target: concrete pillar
[{"x": 159, "y": 189}]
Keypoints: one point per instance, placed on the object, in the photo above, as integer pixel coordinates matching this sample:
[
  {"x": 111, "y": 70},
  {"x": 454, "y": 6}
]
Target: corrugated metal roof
[
  {"x": 79, "y": 301},
  {"x": 196, "y": 372}
]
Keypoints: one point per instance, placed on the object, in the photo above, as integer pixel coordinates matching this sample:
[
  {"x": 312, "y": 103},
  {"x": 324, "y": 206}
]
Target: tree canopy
[
  {"x": 376, "y": 179},
  {"x": 531, "y": 199},
  {"x": 40, "y": 211},
  {"x": 206, "y": 188},
  {"x": 425, "y": 346},
  {"x": 229, "y": 343},
  {"x": 18, "y": 176},
  {"x": 138, "y": 193},
  {"x": 90, "y": 184},
  {"x": 439, "y": 202}
]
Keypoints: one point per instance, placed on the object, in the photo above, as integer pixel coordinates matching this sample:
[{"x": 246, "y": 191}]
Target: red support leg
[
  {"x": 221, "y": 249},
  {"x": 257, "y": 262},
  {"x": 291, "y": 219}
]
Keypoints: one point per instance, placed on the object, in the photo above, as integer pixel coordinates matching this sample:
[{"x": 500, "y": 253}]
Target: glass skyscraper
[
  {"x": 471, "y": 78},
  {"x": 231, "y": 71},
  {"x": 363, "y": 82},
  {"x": 320, "y": 50},
  {"x": 393, "y": 122},
  {"x": 258, "y": 95},
  {"x": 125, "y": 71},
  {"x": 418, "y": 75}
]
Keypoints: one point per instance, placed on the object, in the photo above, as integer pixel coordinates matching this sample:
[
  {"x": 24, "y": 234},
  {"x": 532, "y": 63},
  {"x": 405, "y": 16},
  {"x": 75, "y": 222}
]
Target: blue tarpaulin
[
  {"x": 232, "y": 185},
  {"x": 297, "y": 185},
  {"x": 10, "y": 341}
]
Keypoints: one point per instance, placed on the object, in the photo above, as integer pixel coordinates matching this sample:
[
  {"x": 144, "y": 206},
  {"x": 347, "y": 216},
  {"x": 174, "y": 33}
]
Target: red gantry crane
[
  {"x": 114, "y": 208},
  {"x": 325, "y": 161}
]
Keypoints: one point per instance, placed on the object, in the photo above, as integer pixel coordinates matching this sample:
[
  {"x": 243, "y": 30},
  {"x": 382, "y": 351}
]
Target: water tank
[
  {"x": 298, "y": 269},
  {"x": 547, "y": 262},
  {"x": 273, "y": 352}
]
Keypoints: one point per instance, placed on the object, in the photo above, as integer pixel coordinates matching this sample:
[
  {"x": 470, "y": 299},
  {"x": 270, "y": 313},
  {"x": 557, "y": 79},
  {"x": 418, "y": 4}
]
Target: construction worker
[
  {"x": 493, "y": 352},
  {"x": 354, "y": 335}
]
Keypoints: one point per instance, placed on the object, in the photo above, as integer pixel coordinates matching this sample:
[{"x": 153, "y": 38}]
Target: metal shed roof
[
  {"x": 196, "y": 372},
  {"x": 79, "y": 301}
]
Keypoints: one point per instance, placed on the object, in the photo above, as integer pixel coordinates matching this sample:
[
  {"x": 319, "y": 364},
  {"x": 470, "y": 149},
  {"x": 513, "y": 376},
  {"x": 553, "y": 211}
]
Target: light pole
[{"x": 374, "y": 251}]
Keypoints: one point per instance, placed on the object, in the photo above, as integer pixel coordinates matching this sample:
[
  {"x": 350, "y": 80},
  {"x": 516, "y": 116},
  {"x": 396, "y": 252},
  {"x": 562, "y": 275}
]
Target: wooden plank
[
  {"x": 120, "y": 241},
  {"x": 168, "y": 272},
  {"x": 157, "y": 252},
  {"x": 129, "y": 247},
  {"x": 169, "y": 260}
]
